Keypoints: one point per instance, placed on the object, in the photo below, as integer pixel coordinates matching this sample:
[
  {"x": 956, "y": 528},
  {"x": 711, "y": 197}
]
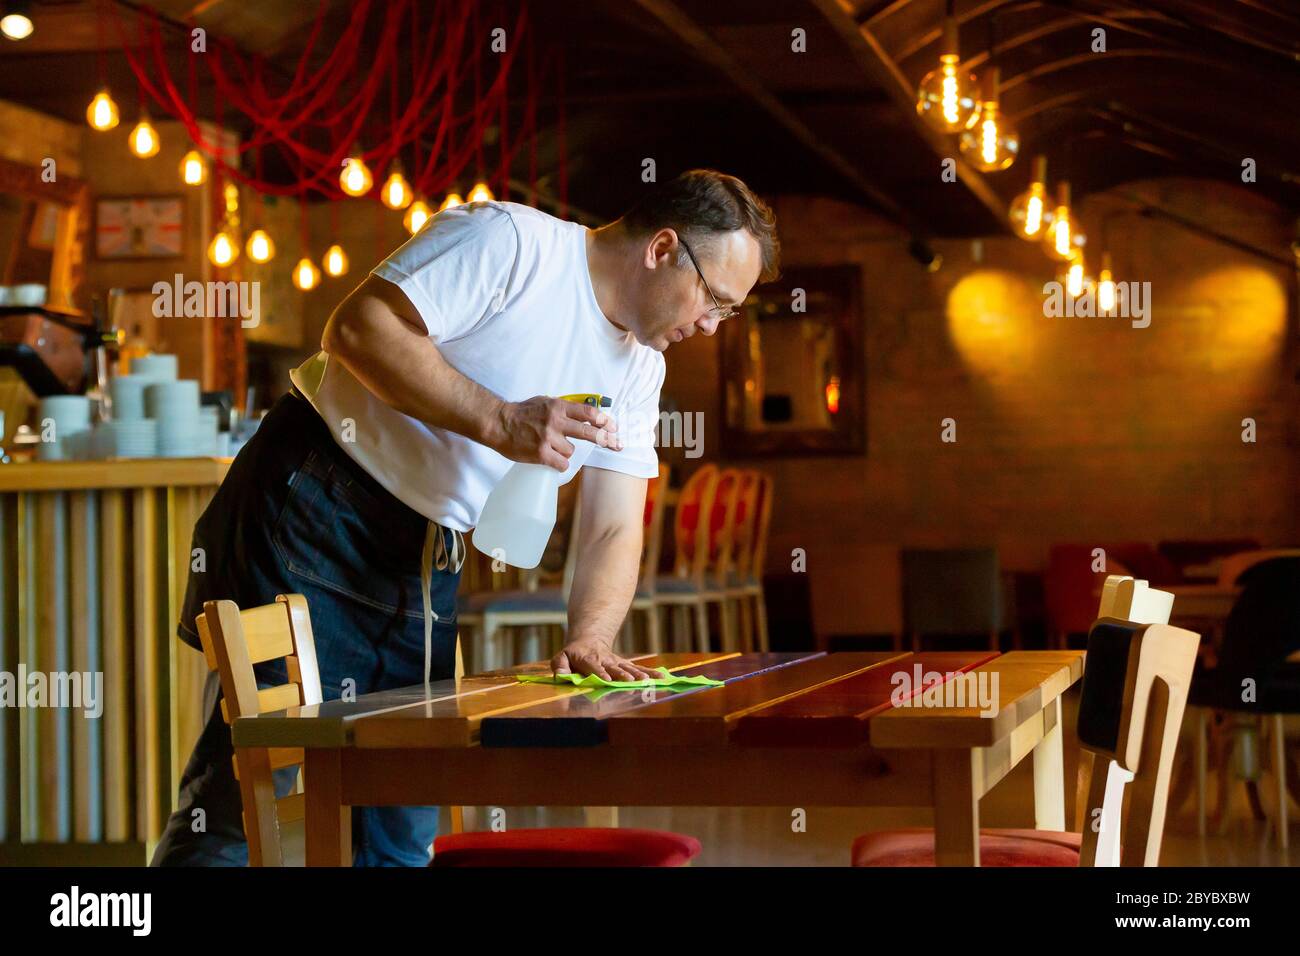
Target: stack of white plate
[
  {"x": 62, "y": 417},
  {"x": 128, "y": 396},
  {"x": 156, "y": 368},
  {"x": 175, "y": 406},
  {"x": 137, "y": 438}
]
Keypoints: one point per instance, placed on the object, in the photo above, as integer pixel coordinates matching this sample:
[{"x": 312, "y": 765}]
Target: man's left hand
[{"x": 593, "y": 656}]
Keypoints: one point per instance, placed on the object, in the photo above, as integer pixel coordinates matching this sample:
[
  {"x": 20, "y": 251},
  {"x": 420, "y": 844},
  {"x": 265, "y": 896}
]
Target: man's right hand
[{"x": 538, "y": 430}]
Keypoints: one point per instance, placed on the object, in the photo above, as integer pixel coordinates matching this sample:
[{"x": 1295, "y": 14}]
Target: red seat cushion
[
  {"x": 997, "y": 848},
  {"x": 565, "y": 846}
]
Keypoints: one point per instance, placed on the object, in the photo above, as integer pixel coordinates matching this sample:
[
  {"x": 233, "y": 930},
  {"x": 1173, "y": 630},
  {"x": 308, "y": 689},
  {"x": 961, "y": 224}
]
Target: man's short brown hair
[{"x": 702, "y": 203}]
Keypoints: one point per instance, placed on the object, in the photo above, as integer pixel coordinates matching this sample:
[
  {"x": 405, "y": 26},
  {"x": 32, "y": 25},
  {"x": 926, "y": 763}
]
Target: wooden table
[{"x": 786, "y": 729}]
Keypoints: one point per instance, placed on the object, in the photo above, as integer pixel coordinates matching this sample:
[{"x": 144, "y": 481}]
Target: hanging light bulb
[
  {"x": 396, "y": 193},
  {"x": 194, "y": 171},
  {"x": 102, "y": 113},
  {"x": 260, "y": 247},
  {"x": 453, "y": 199},
  {"x": 16, "y": 24},
  {"x": 335, "y": 261},
  {"x": 1074, "y": 280},
  {"x": 1029, "y": 213},
  {"x": 355, "y": 180},
  {"x": 1058, "y": 238},
  {"x": 305, "y": 274},
  {"x": 991, "y": 144},
  {"x": 416, "y": 216},
  {"x": 222, "y": 250},
  {"x": 946, "y": 98},
  {"x": 1105, "y": 287},
  {"x": 144, "y": 138},
  {"x": 480, "y": 193}
]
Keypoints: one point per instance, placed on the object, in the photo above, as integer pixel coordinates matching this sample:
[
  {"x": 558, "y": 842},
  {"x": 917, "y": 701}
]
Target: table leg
[
  {"x": 328, "y": 821},
  {"x": 956, "y": 808},
  {"x": 1049, "y": 773}
]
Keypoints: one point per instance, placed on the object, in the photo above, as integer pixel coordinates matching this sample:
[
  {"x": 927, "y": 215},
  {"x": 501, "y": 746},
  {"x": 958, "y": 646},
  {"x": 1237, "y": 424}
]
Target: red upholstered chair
[
  {"x": 702, "y": 529},
  {"x": 1135, "y": 688},
  {"x": 1070, "y": 589},
  {"x": 565, "y": 846}
]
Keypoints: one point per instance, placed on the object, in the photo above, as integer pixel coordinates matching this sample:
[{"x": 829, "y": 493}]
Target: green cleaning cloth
[{"x": 669, "y": 680}]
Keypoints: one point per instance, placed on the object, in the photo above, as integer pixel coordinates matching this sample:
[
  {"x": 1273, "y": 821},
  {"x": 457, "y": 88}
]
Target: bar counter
[{"x": 93, "y": 564}]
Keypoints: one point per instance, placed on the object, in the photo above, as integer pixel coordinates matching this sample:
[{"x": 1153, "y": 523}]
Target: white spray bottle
[{"x": 519, "y": 514}]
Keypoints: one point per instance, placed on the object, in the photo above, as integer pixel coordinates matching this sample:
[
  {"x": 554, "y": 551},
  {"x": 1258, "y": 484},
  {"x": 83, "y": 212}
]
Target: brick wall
[{"x": 1068, "y": 429}]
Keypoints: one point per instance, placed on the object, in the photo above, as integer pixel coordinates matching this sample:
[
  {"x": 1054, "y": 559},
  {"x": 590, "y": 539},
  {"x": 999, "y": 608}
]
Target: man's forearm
[
  {"x": 604, "y": 583},
  {"x": 405, "y": 370}
]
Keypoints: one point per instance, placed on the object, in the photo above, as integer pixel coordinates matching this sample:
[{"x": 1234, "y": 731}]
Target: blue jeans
[{"x": 295, "y": 514}]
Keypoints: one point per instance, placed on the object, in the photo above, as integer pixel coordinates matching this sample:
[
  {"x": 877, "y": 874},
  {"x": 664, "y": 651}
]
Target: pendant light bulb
[
  {"x": 1058, "y": 238},
  {"x": 396, "y": 193},
  {"x": 335, "y": 261},
  {"x": 222, "y": 250},
  {"x": 1106, "y": 287},
  {"x": 947, "y": 97},
  {"x": 305, "y": 274},
  {"x": 453, "y": 199},
  {"x": 480, "y": 193},
  {"x": 144, "y": 138},
  {"x": 102, "y": 113},
  {"x": 260, "y": 247},
  {"x": 355, "y": 179},
  {"x": 194, "y": 171},
  {"x": 1029, "y": 213},
  {"x": 416, "y": 216}
]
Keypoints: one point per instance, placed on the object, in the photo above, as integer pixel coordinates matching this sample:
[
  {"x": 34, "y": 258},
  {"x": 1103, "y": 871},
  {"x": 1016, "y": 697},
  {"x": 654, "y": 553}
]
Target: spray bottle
[{"x": 519, "y": 514}]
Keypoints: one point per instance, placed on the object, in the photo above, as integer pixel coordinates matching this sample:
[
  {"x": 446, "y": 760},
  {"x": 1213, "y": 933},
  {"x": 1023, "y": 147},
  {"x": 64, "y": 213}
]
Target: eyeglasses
[{"x": 719, "y": 311}]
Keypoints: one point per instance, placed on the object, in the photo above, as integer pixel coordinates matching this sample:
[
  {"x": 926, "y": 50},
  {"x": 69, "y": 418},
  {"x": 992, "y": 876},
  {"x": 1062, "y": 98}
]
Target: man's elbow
[{"x": 343, "y": 334}]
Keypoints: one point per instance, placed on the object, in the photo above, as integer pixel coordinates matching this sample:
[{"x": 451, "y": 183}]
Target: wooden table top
[{"x": 800, "y": 699}]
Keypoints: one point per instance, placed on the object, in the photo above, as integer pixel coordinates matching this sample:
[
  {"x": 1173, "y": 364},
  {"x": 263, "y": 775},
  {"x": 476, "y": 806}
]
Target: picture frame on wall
[{"x": 139, "y": 227}]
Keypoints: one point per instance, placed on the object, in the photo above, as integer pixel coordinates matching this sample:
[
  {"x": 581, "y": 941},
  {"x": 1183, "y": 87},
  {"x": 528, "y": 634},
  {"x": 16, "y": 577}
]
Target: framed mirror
[{"x": 792, "y": 367}]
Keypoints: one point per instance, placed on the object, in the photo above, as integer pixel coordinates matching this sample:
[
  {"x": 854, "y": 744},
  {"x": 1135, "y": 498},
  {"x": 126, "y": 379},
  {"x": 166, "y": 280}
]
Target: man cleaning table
[{"x": 436, "y": 374}]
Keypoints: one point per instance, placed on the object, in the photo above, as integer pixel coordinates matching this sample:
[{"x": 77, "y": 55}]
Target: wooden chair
[
  {"x": 513, "y": 599},
  {"x": 702, "y": 526},
  {"x": 1228, "y": 732},
  {"x": 234, "y": 641},
  {"x": 1135, "y": 687},
  {"x": 744, "y": 569},
  {"x": 644, "y": 605},
  {"x": 951, "y": 593}
]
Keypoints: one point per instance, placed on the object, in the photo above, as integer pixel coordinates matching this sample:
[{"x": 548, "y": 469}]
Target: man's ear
[{"x": 661, "y": 250}]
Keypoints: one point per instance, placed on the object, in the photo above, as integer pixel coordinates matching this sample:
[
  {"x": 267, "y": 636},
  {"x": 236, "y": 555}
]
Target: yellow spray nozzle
[{"x": 589, "y": 398}]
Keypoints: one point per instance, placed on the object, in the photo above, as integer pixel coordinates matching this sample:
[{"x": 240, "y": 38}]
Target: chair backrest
[
  {"x": 952, "y": 591},
  {"x": 762, "y": 525},
  {"x": 1127, "y": 599},
  {"x": 1135, "y": 686},
  {"x": 744, "y": 530},
  {"x": 233, "y": 642},
  {"x": 691, "y": 524},
  {"x": 722, "y": 522},
  {"x": 656, "y": 493},
  {"x": 1234, "y": 566}
]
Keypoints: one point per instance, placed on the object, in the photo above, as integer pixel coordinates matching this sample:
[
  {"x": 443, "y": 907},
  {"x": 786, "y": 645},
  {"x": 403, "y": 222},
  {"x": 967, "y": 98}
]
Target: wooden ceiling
[{"x": 1185, "y": 87}]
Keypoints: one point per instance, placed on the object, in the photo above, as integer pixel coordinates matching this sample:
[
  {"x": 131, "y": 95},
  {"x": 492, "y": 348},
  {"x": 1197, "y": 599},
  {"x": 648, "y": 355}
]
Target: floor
[{"x": 769, "y": 836}]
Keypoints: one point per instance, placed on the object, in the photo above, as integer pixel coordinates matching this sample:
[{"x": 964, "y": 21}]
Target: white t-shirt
[{"x": 506, "y": 294}]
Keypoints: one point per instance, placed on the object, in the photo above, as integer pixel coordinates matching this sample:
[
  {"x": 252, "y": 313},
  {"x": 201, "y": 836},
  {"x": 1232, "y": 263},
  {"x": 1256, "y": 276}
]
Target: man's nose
[{"x": 708, "y": 325}]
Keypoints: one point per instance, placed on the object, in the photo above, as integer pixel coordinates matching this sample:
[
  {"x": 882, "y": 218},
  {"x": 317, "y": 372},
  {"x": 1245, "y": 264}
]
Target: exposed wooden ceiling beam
[
  {"x": 708, "y": 50},
  {"x": 873, "y": 58}
]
